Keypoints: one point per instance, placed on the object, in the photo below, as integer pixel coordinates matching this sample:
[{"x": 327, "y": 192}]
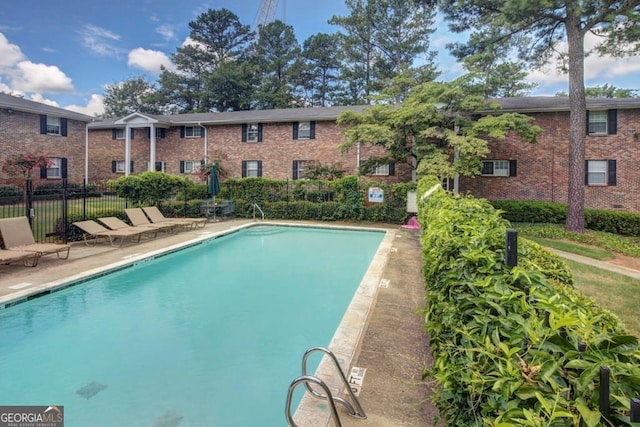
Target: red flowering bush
[{"x": 24, "y": 163}]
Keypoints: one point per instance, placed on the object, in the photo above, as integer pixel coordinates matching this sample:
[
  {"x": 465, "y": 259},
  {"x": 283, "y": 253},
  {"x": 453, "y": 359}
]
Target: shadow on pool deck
[{"x": 394, "y": 349}]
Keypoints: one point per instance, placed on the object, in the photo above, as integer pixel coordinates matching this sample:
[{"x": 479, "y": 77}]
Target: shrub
[{"x": 505, "y": 339}]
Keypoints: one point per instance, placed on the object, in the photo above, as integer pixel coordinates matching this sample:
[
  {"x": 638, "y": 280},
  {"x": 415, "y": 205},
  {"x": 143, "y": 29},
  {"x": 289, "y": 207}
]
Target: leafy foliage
[
  {"x": 150, "y": 187},
  {"x": 505, "y": 339}
]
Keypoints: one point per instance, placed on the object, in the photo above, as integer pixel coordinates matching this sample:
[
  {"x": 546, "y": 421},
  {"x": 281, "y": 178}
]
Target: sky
[{"x": 65, "y": 52}]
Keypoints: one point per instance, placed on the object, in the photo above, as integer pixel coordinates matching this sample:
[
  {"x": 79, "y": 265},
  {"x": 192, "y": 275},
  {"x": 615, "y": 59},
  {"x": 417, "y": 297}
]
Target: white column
[
  {"x": 152, "y": 148},
  {"x": 127, "y": 150}
]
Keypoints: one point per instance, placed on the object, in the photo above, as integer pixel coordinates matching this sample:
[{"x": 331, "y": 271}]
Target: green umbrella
[{"x": 213, "y": 185}]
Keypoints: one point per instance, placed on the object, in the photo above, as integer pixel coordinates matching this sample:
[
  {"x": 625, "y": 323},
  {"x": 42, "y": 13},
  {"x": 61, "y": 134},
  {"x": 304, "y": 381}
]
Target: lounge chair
[
  {"x": 92, "y": 232},
  {"x": 116, "y": 223},
  {"x": 17, "y": 236},
  {"x": 29, "y": 259},
  {"x": 157, "y": 217},
  {"x": 138, "y": 218}
]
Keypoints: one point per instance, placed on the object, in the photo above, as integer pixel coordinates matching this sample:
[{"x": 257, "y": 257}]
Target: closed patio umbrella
[{"x": 213, "y": 186}]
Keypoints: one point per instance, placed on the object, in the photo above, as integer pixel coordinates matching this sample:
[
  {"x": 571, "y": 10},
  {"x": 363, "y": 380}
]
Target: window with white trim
[
  {"x": 54, "y": 168},
  {"x": 191, "y": 166},
  {"x": 382, "y": 170},
  {"x": 596, "y": 172},
  {"x": 119, "y": 133},
  {"x": 252, "y": 132},
  {"x": 495, "y": 168},
  {"x": 119, "y": 166},
  {"x": 53, "y": 125},
  {"x": 597, "y": 122},
  {"x": 304, "y": 130},
  {"x": 251, "y": 169},
  {"x": 300, "y": 168},
  {"x": 193, "y": 132}
]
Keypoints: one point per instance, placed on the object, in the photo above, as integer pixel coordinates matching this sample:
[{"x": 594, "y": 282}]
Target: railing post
[
  {"x": 65, "y": 210},
  {"x": 511, "y": 257},
  {"x": 634, "y": 411},
  {"x": 604, "y": 391}
]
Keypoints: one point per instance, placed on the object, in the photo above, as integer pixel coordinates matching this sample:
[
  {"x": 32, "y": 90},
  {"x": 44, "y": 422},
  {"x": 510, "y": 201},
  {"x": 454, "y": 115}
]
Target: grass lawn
[
  {"x": 574, "y": 248},
  {"x": 615, "y": 292}
]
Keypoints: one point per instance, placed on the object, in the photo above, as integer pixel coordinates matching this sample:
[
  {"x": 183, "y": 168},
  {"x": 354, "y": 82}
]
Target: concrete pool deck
[{"x": 389, "y": 341}]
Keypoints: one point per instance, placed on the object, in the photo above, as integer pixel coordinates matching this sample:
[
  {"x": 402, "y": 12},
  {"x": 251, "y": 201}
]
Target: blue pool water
[{"x": 207, "y": 336}]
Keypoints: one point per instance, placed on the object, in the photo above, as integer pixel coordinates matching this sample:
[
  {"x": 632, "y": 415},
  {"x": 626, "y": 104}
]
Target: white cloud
[
  {"x": 99, "y": 40},
  {"x": 10, "y": 54},
  {"x": 166, "y": 31},
  {"x": 32, "y": 77},
  {"x": 41, "y": 99},
  {"x": 149, "y": 60},
  {"x": 95, "y": 106},
  {"x": 21, "y": 75},
  {"x": 596, "y": 68}
]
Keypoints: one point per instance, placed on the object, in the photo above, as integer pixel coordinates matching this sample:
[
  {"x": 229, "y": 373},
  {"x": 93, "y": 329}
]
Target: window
[
  {"x": 300, "y": 169},
  {"x": 190, "y": 166},
  {"x": 118, "y": 134},
  {"x": 191, "y": 132},
  {"x": 304, "y": 130},
  {"x": 158, "y": 167},
  {"x": 382, "y": 170},
  {"x": 53, "y": 125},
  {"x": 117, "y": 166},
  {"x": 498, "y": 168},
  {"x": 252, "y": 132},
  {"x": 603, "y": 122},
  {"x": 600, "y": 172},
  {"x": 54, "y": 168},
  {"x": 598, "y": 122},
  {"x": 251, "y": 168}
]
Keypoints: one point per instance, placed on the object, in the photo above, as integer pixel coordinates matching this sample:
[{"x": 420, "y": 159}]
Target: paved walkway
[{"x": 600, "y": 264}]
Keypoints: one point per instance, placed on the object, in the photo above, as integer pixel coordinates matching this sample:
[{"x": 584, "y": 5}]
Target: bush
[
  {"x": 623, "y": 223},
  {"x": 504, "y": 339}
]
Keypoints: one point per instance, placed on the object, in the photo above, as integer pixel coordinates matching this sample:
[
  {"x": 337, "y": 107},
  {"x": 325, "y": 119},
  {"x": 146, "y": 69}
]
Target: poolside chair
[
  {"x": 17, "y": 236},
  {"x": 138, "y": 218},
  {"x": 157, "y": 217},
  {"x": 29, "y": 259},
  {"x": 116, "y": 223},
  {"x": 92, "y": 232}
]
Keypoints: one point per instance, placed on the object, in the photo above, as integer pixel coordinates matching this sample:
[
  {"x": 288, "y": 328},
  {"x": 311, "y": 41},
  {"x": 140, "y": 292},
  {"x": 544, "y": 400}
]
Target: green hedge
[
  {"x": 504, "y": 339},
  {"x": 624, "y": 223}
]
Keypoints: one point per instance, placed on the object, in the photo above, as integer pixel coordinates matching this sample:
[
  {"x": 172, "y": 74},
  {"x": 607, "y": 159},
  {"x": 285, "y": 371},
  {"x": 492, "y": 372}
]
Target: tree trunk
[{"x": 577, "y": 123}]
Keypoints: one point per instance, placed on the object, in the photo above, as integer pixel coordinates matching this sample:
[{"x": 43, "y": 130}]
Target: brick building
[
  {"x": 517, "y": 170},
  {"x": 28, "y": 126},
  {"x": 279, "y": 143},
  {"x": 275, "y": 144}
]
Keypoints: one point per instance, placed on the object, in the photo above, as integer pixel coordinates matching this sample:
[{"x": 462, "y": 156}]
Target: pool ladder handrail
[
  {"x": 354, "y": 409},
  {"x": 255, "y": 205}
]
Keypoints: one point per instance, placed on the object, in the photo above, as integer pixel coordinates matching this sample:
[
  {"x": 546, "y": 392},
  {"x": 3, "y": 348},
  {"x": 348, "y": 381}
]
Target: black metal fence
[{"x": 50, "y": 206}]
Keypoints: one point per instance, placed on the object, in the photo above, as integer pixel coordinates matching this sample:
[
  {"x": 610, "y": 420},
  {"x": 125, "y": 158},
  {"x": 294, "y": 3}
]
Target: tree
[
  {"x": 384, "y": 38},
  {"x": 606, "y": 91},
  {"x": 535, "y": 29},
  {"x": 278, "y": 58},
  {"x": 231, "y": 86},
  {"x": 217, "y": 38},
  {"x": 128, "y": 96},
  {"x": 440, "y": 128},
  {"x": 321, "y": 66},
  {"x": 221, "y": 35}
]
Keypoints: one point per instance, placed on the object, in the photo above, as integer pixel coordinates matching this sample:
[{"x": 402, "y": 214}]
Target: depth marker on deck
[
  {"x": 356, "y": 378},
  {"x": 384, "y": 283}
]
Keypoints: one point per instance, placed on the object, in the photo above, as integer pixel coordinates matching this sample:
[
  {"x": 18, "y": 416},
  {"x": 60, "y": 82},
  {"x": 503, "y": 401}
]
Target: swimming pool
[{"x": 191, "y": 335}]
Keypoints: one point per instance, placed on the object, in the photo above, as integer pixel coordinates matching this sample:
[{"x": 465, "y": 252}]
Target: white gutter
[
  {"x": 86, "y": 153},
  {"x": 206, "y": 153}
]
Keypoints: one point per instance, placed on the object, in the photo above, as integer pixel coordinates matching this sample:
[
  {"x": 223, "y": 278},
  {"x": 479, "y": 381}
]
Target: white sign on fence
[{"x": 376, "y": 195}]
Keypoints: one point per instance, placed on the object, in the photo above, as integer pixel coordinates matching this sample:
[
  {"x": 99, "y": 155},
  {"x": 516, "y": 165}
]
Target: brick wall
[
  {"x": 20, "y": 134},
  {"x": 542, "y": 168}
]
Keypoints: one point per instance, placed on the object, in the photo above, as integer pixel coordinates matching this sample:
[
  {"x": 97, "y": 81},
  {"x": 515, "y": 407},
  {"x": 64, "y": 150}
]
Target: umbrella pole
[{"x": 214, "y": 208}]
